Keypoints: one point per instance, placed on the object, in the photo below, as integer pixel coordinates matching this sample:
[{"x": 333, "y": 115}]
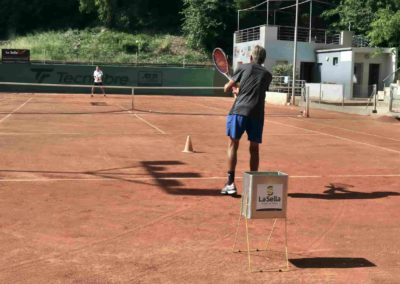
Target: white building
[{"x": 341, "y": 64}]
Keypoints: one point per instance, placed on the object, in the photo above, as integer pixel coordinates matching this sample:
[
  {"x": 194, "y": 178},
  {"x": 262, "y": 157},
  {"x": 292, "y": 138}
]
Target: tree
[
  {"x": 209, "y": 23},
  {"x": 131, "y": 15},
  {"x": 385, "y": 29},
  {"x": 357, "y": 15},
  {"x": 24, "y": 16}
]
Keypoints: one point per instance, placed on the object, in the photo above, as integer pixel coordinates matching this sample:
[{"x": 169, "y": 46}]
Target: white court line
[
  {"x": 142, "y": 119},
  {"x": 340, "y": 138},
  {"x": 35, "y": 133},
  {"x": 187, "y": 178},
  {"x": 8, "y": 115},
  {"x": 350, "y": 130},
  {"x": 294, "y": 134}
]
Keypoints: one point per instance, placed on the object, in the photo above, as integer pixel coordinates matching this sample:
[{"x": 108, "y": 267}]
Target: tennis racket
[{"x": 220, "y": 62}]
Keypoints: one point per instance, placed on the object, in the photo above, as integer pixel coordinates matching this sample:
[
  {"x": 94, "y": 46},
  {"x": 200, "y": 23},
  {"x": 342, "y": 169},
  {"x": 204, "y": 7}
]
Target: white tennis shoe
[{"x": 229, "y": 189}]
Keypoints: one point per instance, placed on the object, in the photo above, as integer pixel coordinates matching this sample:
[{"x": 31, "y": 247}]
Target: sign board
[
  {"x": 150, "y": 78},
  {"x": 15, "y": 55},
  {"x": 264, "y": 195}
]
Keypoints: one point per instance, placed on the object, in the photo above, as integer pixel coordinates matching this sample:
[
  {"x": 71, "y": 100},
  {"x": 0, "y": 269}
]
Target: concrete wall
[
  {"x": 276, "y": 98},
  {"x": 326, "y": 92},
  {"x": 341, "y": 73},
  {"x": 366, "y": 58},
  {"x": 242, "y": 50},
  {"x": 283, "y": 51},
  {"x": 113, "y": 75},
  {"x": 277, "y": 50}
]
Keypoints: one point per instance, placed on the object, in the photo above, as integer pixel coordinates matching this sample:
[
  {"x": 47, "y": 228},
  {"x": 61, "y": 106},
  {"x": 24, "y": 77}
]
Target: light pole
[
  {"x": 295, "y": 53},
  {"x": 138, "y": 42}
]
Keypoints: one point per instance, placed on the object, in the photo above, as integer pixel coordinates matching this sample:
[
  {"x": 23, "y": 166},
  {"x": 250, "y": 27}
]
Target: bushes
[{"x": 101, "y": 44}]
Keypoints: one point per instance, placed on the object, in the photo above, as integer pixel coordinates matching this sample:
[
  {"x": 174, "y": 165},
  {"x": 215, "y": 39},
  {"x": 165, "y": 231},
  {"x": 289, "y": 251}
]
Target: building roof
[{"x": 357, "y": 49}]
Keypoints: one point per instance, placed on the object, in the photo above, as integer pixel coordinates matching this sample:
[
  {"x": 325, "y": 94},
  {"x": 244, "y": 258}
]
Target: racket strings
[{"x": 220, "y": 61}]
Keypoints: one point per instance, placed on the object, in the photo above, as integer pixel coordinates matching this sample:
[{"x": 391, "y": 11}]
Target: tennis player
[
  {"x": 247, "y": 112},
  {"x": 98, "y": 80}
]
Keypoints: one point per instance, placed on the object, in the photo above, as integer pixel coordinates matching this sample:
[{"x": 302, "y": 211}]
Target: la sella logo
[{"x": 270, "y": 196}]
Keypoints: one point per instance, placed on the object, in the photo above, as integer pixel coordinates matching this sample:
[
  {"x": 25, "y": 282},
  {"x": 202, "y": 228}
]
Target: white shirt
[{"x": 98, "y": 76}]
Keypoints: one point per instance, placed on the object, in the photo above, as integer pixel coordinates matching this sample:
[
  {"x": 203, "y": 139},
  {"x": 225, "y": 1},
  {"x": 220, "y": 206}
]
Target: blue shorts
[{"x": 236, "y": 125}]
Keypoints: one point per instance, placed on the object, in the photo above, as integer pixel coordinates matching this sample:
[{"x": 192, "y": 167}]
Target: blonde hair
[{"x": 258, "y": 54}]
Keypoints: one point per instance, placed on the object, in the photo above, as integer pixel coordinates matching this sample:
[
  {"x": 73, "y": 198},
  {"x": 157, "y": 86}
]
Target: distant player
[
  {"x": 98, "y": 80},
  {"x": 249, "y": 84}
]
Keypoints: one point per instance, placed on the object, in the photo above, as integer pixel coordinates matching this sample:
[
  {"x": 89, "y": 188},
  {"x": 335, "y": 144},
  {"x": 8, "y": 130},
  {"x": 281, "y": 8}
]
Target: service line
[
  {"x": 339, "y": 137},
  {"x": 142, "y": 119},
  {"x": 8, "y": 115},
  {"x": 191, "y": 178}
]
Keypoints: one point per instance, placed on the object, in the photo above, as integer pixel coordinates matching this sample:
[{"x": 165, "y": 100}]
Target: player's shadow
[
  {"x": 171, "y": 181},
  {"x": 331, "y": 262},
  {"x": 167, "y": 175},
  {"x": 341, "y": 191}
]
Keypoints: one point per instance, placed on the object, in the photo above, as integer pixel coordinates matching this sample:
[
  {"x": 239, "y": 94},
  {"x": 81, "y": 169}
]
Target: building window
[{"x": 335, "y": 60}]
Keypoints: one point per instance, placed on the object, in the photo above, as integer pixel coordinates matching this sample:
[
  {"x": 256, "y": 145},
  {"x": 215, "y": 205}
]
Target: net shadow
[
  {"x": 341, "y": 191},
  {"x": 331, "y": 262}
]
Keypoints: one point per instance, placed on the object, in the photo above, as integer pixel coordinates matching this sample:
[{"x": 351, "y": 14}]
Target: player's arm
[{"x": 231, "y": 86}]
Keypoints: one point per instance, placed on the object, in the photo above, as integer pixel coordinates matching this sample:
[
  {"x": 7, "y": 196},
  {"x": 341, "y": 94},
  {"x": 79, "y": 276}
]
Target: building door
[
  {"x": 373, "y": 77},
  {"x": 307, "y": 71}
]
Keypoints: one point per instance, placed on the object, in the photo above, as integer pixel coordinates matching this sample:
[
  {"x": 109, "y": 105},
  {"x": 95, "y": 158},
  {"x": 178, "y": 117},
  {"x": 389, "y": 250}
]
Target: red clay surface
[{"x": 98, "y": 194}]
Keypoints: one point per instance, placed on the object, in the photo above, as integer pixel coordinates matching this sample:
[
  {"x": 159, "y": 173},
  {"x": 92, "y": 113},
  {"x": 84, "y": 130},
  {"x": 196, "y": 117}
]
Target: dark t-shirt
[{"x": 254, "y": 81}]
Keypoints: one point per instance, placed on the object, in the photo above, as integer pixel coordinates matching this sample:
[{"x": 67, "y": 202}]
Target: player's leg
[
  {"x": 230, "y": 187},
  {"x": 235, "y": 127},
  {"x": 102, "y": 89},
  {"x": 254, "y": 156},
  {"x": 92, "y": 91},
  {"x": 233, "y": 146},
  {"x": 254, "y": 129}
]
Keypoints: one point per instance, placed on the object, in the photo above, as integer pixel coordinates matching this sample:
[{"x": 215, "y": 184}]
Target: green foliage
[
  {"x": 109, "y": 46},
  {"x": 358, "y": 14},
  {"x": 282, "y": 70},
  {"x": 131, "y": 15},
  {"x": 377, "y": 19},
  {"x": 385, "y": 29},
  {"x": 24, "y": 16},
  {"x": 207, "y": 23}
]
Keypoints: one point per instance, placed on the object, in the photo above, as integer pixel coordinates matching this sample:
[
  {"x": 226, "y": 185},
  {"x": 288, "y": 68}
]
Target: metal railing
[
  {"x": 46, "y": 57},
  {"x": 246, "y": 35},
  {"x": 303, "y": 35},
  {"x": 360, "y": 41},
  {"x": 284, "y": 84},
  {"x": 394, "y": 100},
  {"x": 183, "y": 64}
]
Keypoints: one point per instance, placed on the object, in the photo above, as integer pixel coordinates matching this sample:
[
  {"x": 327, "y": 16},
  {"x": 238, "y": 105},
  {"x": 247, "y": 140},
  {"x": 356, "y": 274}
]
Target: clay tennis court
[{"x": 93, "y": 192}]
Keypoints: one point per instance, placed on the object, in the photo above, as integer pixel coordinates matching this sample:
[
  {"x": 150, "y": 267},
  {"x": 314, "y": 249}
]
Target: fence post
[
  {"x": 307, "y": 114},
  {"x": 343, "y": 94},
  {"x": 391, "y": 98},
  {"x": 320, "y": 92},
  {"x": 374, "y": 94},
  {"x": 133, "y": 97}
]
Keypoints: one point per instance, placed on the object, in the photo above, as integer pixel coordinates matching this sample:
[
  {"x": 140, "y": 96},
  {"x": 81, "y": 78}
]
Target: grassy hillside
[{"x": 102, "y": 45}]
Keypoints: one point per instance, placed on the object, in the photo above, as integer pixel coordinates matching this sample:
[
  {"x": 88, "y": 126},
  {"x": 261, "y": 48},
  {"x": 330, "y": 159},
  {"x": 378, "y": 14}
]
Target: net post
[
  {"x": 307, "y": 101},
  {"x": 374, "y": 91},
  {"x": 133, "y": 99}
]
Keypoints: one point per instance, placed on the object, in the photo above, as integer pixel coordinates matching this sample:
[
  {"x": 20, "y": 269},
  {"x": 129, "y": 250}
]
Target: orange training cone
[{"x": 188, "y": 145}]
